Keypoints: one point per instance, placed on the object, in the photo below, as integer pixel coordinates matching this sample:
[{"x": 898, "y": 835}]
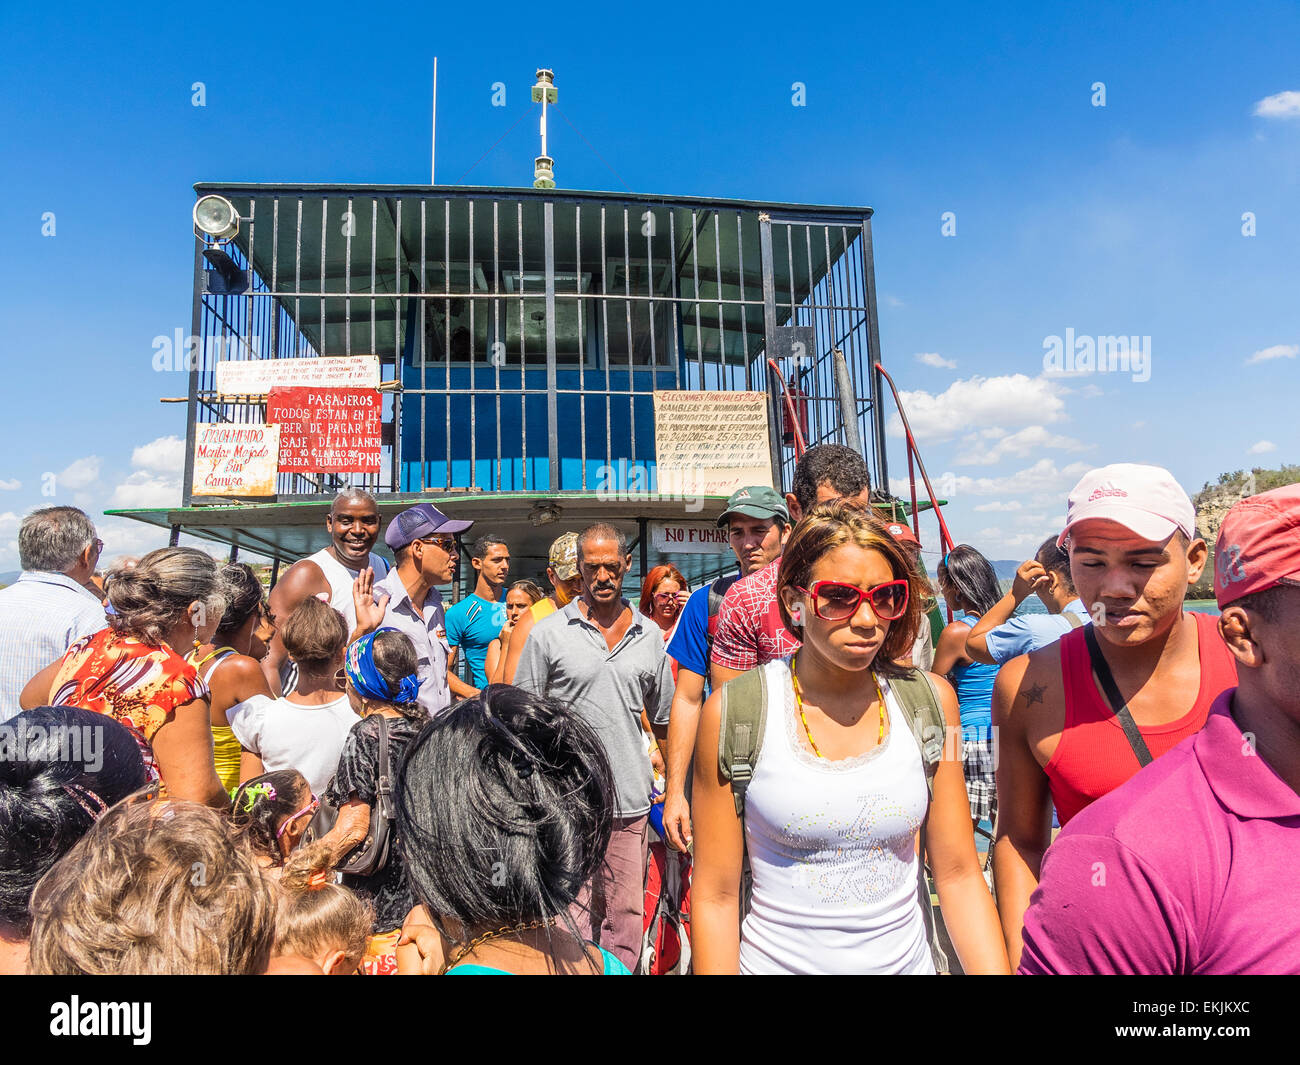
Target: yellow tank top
[
  {"x": 225, "y": 753},
  {"x": 225, "y": 747},
  {"x": 542, "y": 608}
]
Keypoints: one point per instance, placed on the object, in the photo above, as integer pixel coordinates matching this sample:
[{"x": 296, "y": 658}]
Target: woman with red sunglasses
[{"x": 835, "y": 804}]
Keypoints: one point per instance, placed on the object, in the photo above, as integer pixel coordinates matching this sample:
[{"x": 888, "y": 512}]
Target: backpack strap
[
  {"x": 740, "y": 731},
  {"x": 917, "y": 696},
  {"x": 717, "y": 592},
  {"x": 915, "y": 693}
]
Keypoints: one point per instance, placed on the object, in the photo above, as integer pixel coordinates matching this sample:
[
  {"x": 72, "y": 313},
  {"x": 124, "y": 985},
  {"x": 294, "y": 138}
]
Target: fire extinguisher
[{"x": 799, "y": 400}]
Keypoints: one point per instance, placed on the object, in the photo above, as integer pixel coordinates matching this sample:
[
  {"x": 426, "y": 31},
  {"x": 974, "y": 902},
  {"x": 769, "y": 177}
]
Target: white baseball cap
[{"x": 1144, "y": 499}]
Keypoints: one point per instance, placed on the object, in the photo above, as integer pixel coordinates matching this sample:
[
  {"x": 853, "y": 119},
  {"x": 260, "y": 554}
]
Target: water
[{"x": 1034, "y": 605}]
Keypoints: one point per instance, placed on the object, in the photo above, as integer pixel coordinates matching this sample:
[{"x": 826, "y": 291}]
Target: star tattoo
[{"x": 1034, "y": 694}]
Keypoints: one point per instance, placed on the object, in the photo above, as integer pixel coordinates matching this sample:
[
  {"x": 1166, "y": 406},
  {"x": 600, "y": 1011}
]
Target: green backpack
[{"x": 740, "y": 740}]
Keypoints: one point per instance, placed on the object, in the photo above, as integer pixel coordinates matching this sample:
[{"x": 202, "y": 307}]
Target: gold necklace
[
  {"x": 798, "y": 702},
  {"x": 504, "y": 930}
]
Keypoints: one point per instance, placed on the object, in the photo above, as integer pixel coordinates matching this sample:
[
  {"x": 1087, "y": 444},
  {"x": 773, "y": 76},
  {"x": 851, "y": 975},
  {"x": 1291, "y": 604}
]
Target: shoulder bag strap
[
  {"x": 384, "y": 790},
  {"x": 1117, "y": 704}
]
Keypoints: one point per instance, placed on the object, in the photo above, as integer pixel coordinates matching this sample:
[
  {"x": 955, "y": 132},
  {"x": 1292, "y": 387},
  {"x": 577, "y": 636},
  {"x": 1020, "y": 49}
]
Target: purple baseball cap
[{"x": 423, "y": 519}]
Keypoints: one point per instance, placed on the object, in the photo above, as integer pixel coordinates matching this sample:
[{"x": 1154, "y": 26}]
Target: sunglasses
[
  {"x": 835, "y": 601},
  {"x": 445, "y": 543},
  {"x": 310, "y": 808}
]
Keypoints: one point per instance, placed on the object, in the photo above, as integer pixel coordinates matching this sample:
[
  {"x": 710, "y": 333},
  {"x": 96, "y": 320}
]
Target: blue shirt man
[{"x": 474, "y": 622}]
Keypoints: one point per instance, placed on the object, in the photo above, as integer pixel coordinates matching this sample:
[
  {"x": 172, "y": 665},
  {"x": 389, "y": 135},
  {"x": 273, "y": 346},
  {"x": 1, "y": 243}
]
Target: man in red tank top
[{"x": 1073, "y": 722}]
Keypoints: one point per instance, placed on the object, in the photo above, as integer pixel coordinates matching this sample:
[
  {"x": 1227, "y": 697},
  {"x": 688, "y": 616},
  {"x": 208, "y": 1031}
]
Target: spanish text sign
[
  {"x": 256, "y": 377},
  {"x": 235, "y": 459},
  {"x": 688, "y": 538},
  {"x": 711, "y": 443},
  {"x": 327, "y": 430}
]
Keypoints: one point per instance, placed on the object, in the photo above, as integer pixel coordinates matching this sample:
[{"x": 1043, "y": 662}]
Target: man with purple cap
[
  {"x": 1076, "y": 719},
  {"x": 1191, "y": 866},
  {"x": 424, "y": 546}
]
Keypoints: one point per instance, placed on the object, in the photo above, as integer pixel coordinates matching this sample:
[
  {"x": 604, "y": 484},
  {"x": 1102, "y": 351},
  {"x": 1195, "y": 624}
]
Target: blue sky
[{"x": 1117, "y": 220}]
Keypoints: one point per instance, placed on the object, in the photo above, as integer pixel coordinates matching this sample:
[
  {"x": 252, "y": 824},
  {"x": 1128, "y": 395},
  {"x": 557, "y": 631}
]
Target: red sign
[{"x": 327, "y": 430}]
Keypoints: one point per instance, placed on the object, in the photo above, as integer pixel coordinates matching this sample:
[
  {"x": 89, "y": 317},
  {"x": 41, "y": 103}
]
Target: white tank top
[
  {"x": 832, "y": 845},
  {"x": 340, "y": 581}
]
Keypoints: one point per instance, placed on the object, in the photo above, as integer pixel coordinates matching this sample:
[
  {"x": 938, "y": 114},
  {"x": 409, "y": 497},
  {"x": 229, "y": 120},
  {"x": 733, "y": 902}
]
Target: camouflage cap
[{"x": 564, "y": 557}]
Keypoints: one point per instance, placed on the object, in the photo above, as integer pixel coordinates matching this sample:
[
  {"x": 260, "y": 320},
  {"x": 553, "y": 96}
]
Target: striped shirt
[{"x": 41, "y": 616}]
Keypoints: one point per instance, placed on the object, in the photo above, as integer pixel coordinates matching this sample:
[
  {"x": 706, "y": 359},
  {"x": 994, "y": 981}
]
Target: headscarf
[{"x": 365, "y": 677}]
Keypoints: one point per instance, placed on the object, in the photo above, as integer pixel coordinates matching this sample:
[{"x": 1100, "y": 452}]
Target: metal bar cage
[{"x": 527, "y": 331}]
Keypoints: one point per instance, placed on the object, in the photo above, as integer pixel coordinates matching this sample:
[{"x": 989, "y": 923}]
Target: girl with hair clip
[
  {"x": 852, "y": 777},
  {"x": 382, "y": 685},
  {"x": 316, "y": 919},
  {"x": 274, "y": 811}
]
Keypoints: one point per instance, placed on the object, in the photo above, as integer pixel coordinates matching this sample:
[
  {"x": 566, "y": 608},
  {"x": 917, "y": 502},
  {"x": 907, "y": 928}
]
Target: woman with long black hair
[{"x": 970, "y": 588}]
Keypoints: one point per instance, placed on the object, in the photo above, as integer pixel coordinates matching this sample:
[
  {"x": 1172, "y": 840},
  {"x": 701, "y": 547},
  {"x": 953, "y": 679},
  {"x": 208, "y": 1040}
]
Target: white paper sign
[
  {"x": 233, "y": 459},
  {"x": 256, "y": 377},
  {"x": 711, "y": 443},
  {"x": 688, "y": 538}
]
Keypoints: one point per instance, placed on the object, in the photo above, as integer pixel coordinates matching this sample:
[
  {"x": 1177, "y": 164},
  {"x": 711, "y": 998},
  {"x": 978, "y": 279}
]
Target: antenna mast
[{"x": 544, "y": 92}]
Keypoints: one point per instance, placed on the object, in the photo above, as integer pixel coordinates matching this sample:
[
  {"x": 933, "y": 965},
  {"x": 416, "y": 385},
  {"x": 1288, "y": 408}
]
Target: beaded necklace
[
  {"x": 504, "y": 930},
  {"x": 798, "y": 702}
]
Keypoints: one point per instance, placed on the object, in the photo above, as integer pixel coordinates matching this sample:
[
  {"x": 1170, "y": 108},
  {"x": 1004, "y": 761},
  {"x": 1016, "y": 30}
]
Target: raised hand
[{"x": 370, "y": 614}]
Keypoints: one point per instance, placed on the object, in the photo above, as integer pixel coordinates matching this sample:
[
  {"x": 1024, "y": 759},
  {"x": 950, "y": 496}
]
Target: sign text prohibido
[{"x": 327, "y": 430}]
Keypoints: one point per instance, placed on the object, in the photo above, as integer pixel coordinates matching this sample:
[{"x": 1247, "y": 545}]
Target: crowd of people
[{"x": 352, "y": 776}]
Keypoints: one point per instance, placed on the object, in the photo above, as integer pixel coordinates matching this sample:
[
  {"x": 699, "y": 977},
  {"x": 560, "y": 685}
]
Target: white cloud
[
  {"x": 1091, "y": 391},
  {"x": 1277, "y": 351},
  {"x": 10, "y": 486},
  {"x": 145, "y": 489},
  {"x": 894, "y": 301},
  {"x": 1139, "y": 425},
  {"x": 1021, "y": 444},
  {"x": 933, "y": 358},
  {"x": 1280, "y": 105},
  {"x": 979, "y": 402},
  {"x": 80, "y": 474},
  {"x": 1013, "y": 505},
  {"x": 164, "y": 455},
  {"x": 1263, "y": 447},
  {"x": 1043, "y": 478}
]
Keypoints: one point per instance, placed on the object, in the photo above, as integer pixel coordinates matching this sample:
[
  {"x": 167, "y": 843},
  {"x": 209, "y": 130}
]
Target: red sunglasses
[{"x": 835, "y": 601}]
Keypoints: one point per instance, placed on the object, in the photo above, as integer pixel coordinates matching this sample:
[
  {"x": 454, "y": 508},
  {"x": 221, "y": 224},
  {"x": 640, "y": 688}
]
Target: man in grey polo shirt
[
  {"x": 603, "y": 658},
  {"x": 408, "y": 600}
]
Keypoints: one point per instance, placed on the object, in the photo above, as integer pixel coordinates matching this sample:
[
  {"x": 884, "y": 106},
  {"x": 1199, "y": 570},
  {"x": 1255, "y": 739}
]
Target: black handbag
[{"x": 370, "y": 855}]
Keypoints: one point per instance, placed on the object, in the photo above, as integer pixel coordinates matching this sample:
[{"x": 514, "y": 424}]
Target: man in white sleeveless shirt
[{"x": 353, "y": 525}]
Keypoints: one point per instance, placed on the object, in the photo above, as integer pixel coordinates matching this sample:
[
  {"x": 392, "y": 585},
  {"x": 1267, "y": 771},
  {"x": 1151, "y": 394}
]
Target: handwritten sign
[
  {"x": 235, "y": 459},
  {"x": 688, "y": 538},
  {"x": 711, "y": 443},
  {"x": 256, "y": 377},
  {"x": 327, "y": 430}
]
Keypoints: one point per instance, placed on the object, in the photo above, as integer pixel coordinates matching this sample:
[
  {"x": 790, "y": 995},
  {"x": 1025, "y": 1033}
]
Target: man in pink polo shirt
[{"x": 1190, "y": 867}]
